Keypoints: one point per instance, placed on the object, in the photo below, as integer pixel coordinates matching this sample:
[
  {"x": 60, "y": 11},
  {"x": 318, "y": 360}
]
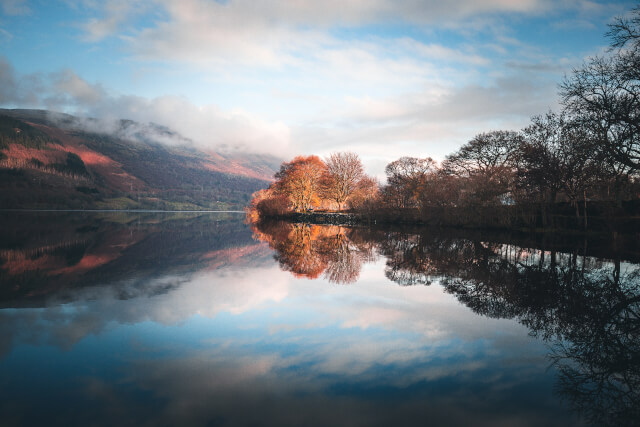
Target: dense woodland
[{"x": 575, "y": 168}]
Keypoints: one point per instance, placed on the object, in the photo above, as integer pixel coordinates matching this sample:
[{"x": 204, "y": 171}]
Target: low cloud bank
[{"x": 172, "y": 120}]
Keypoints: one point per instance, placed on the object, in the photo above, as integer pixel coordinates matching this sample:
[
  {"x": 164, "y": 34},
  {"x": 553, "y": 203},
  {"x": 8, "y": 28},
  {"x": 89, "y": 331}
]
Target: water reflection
[
  {"x": 310, "y": 250},
  {"x": 586, "y": 309},
  {"x": 188, "y": 320},
  {"x": 44, "y": 254}
]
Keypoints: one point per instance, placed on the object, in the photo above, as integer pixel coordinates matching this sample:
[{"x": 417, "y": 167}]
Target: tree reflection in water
[
  {"x": 586, "y": 309},
  {"x": 310, "y": 250}
]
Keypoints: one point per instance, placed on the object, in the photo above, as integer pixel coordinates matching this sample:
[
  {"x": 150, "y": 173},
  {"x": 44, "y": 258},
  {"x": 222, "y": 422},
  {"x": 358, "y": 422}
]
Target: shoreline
[{"x": 625, "y": 224}]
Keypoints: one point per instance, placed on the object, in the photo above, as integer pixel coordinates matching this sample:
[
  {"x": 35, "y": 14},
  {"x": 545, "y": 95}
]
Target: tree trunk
[
  {"x": 617, "y": 190},
  {"x": 584, "y": 198}
]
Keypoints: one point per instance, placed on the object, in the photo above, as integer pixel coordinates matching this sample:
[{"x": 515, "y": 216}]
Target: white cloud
[
  {"x": 207, "y": 126},
  {"x": 432, "y": 122},
  {"x": 276, "y": 33},
  {"x": 292, "y": 84},
  {"x": 108, "y": 18},
  {"x": 77, "y": 90},
  {"x": 201, "y": 20},
  {"x": 15, "y": 7},
  {"x": 17, "y": 89},
  {"x": 279, "y": 33}
]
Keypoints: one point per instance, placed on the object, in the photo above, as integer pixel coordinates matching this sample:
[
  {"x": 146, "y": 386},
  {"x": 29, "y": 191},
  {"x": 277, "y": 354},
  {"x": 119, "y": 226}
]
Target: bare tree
[
  {"x": 539, "y": 162},
  {"x": 625, "y": 31},
  {"x": 560, "y": 154},
  {"x": 344, "y": 172},
  {"x": 486, "y": 154},
  {"x": 610, "y": 103},
  {"x": 486, "y": 165},
  {"x": 607, "y": 91}
]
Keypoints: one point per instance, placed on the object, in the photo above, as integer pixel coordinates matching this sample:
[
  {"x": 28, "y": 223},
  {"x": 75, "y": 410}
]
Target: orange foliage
[
  {"x": 310, "y": 250},
  {"x": 92, "y": 158},
  {"x": 301, "y": 181},
  {"x": 88, "y": 262},
  {"x": 266, "y": 203},
  {"x": 48, "y": 156},
  {"x": 297, "y": 187},
  {"x": 20, "y": 264},
  {"x": 307, "y": 182}
]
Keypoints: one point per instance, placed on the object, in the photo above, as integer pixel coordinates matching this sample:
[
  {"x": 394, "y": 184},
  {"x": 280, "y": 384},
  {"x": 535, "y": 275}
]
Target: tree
[
  {"x": 609, "y": 101},
  {"x": 442, "y": 189},
  {"x": 366, "y": 194},
  {"x": 607, "y": 91},
  {"x": 624, "y": 33},
  {"x": 300, "y": 180},
  {"x": 487, "y": 154},
  {"x": 344, "y": 173},
  {"x": 559, "y": 154},
  {"x": 266, "y": 203},
  {"x": 539, "y": 165},
  {"x": 487, "y": 166},
  {"x": 405, "y": 180}
]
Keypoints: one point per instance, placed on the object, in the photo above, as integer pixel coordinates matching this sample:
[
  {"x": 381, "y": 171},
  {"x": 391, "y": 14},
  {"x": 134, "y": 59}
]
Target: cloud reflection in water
[{"x": 249, "y": 343}]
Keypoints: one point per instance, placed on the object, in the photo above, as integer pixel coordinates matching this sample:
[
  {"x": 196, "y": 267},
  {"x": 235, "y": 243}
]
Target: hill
[{"x": 54, "y": 160}]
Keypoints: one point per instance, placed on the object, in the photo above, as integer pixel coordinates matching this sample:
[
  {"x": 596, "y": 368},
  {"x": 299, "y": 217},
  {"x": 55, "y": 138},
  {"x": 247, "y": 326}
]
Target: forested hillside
[{"x": 50, "y": 160}]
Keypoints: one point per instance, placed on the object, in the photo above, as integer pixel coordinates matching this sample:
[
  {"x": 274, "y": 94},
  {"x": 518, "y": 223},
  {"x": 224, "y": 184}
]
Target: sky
[{"x": 382, "y": 78}]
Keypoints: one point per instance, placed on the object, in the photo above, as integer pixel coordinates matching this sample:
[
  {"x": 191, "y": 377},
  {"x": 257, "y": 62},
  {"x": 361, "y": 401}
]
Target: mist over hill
[{"x": 56, "y": 160}]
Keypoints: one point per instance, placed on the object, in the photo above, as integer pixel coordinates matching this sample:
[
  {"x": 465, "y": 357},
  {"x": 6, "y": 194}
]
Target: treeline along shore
[
  {"x": 573, "y": 169},
  {"x": 603, "y": 217}
]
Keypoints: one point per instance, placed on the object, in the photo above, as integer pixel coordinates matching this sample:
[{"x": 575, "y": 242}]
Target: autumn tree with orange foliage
[
  {"x": 309, "y": 182},
  {"x": 266, "y": 202},
  {"x": 301, "y": 181}
]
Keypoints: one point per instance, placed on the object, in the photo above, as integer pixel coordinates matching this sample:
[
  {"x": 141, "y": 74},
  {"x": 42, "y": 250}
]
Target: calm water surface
[{"x": 198, "y": 319}]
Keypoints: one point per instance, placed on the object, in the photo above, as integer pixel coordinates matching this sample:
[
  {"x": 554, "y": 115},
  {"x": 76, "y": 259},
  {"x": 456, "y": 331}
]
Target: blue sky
[{"x": 382, "y": 78}]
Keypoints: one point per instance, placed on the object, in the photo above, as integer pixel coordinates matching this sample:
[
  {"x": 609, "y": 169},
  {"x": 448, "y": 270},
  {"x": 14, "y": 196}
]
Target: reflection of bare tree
[
  {"x": 418, "y": 259},
  {"x": 344, "y": 264},
  {"x": 599, "y": 357},
  {"x": 589, "y": 312}
]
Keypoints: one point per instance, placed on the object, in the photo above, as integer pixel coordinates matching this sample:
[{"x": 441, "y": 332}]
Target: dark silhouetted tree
[{"x": 405, "y": 180}]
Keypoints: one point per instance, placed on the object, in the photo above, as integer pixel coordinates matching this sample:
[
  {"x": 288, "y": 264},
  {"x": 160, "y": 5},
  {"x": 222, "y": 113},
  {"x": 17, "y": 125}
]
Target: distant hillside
[{"x": 53, "y": 160}]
